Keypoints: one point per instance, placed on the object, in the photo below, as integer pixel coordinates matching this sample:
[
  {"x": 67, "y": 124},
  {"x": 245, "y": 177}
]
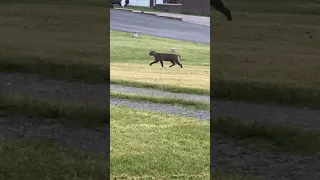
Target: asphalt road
[{"x": 158, "y": 26}]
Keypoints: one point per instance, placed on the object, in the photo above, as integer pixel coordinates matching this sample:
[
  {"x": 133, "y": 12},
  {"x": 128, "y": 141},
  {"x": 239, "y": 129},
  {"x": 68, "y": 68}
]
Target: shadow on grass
[
  {"x": 69, "y": 70},
  {"x": 43, "y": 160},
  {"x": 278, "y": 138},
  {"x": 219, "y": 175},
  {"x": 67, "y": 113},
  {"x": 97, "y": 3},
  {"x": 259, "y": 92}
]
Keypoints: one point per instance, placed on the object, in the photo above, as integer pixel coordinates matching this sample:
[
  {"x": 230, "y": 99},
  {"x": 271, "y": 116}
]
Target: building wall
[
  {"x": 159, "y": 2},
  {"x": 145, "y": 3},
  {"x": 198, "y": 7}
]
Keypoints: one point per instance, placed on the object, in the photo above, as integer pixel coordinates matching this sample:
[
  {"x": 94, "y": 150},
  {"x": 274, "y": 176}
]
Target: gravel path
[
  {"x": 159, "y": 93},
  {"x": 228, "y": 156},
  {"x": 163, "y": 108},
  {"x": 80, "y": 138}
]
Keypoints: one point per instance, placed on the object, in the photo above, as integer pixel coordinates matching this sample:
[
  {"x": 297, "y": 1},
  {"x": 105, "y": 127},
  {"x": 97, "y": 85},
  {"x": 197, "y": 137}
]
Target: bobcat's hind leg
[
  {"x": 179, "y": 63},
  {"x": 161, "y": 63}
]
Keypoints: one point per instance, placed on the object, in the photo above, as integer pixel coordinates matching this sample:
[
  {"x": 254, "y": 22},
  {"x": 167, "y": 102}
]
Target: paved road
[{"x": 158, "y": 26}]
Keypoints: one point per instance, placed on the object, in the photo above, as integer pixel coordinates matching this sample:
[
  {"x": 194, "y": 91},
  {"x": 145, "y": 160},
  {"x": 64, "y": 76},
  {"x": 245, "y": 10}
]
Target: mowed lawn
[
  {"x": 52, "y": 38},
  {"x": 130, "y": 61},
  {"x": 56, "y": 32},
  {"x": 270, "y": 46},
  {"x": 31, "y": 160},
  {"x": 153, "y": 145}
]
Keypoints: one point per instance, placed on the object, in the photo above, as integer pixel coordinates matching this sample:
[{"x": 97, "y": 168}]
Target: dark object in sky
[{"x": 219, "y": 6}]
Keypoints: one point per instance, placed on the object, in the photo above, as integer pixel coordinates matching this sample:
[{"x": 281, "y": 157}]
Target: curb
[{"x": 150, "y": 13}]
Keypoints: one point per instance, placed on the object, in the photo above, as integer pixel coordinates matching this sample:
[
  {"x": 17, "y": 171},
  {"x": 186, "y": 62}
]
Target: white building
[{"x": 146, "y": 3}]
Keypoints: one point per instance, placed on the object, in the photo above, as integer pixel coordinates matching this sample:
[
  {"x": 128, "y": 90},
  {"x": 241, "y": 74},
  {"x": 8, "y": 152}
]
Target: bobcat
[{"x": 173, "y": 58}]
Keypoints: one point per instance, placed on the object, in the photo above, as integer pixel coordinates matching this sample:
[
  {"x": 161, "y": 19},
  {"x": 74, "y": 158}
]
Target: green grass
[
  {"x": 60, "y": 40},
  {"x": 147, "y": 144},
  {"x": 133, "y": 54},
  {"x": 67, "y": 113},
  {"x": 267, "y": 56},
  {"x": 214, "y": 175},
  {"x": 274, "y": 6},
  {"x": 31, "y": 160},
  {"x": 262, "y": 92},
  {"x": 94, "y": 3},
  {"x": 277, "y": 138},
  {"x": 125, "y": 48},
  {"x": 55, "y": 69},
  {"x": 168, "y": 88},
  {"x": 161, "y": 100}
]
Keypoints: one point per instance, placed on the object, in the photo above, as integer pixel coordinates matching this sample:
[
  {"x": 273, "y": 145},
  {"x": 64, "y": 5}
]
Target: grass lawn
[
  {"x": 31, "y": 160},
  {"x": 269, "y": 137},
  {"x": 40, "y": 36},
  {"x": 60, "y": 40},
  {"x": 66, "y": 112},
  {"x": 126, "y": 49},
  {"x": 188, "y": 77},
  {"x": 130, "y": 61},
  {"x": 146, "y": 144},
  {"x": 163, "y": 87},
  {"x": 273, "y": 6},
  {"x": 267, "y": 56}
]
